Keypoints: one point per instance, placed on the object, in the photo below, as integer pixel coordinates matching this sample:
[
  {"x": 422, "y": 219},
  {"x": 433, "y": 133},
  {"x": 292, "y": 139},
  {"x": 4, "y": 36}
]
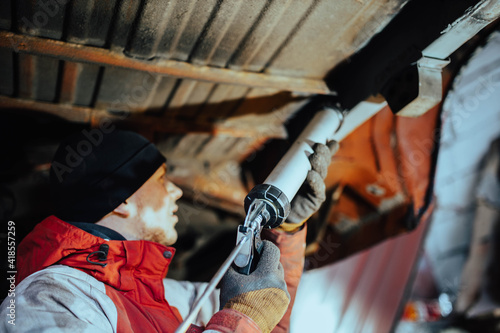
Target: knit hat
[{"x": 94, "y": 171}]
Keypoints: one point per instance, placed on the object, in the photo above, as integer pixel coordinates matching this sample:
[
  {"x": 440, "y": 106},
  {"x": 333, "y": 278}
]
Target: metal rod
[
  {"x": 212, "y": 284},
  {"x": 104, "y": 57}
]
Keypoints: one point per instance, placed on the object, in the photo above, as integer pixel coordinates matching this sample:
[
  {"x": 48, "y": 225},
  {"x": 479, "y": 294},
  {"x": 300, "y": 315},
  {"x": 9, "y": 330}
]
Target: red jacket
[
  {"x": 132, "y": 279},
  {"x": 60, "y": 290}
]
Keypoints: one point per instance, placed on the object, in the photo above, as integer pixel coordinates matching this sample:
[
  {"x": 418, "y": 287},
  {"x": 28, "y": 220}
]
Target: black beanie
[{"x": 93, "y": 172}]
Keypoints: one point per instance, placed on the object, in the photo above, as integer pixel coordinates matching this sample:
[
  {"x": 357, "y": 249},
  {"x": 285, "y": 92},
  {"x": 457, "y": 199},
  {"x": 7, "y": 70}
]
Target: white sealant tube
[{"x": 292, "y": 169}]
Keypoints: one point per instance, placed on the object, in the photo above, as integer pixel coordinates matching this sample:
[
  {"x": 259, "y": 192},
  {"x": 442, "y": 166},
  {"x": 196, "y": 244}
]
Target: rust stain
[
  {"x": 26, "y": 72},
  {"x": 68, "y": 84},
  {"x": 94, "y": 55}
]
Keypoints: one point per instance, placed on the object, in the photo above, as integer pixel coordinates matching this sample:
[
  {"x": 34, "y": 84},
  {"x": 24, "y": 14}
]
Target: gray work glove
[
  {"x": 262, "y": 295},
  {"x": 312, "y": 193}
]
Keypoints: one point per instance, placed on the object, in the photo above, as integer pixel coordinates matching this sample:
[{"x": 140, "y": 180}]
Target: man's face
[{"x": 155, "y": 201}]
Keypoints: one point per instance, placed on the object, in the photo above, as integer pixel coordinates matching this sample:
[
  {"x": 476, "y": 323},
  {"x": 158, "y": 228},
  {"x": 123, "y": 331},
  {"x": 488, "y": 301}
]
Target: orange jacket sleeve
[{"x": 292, "y": 247}]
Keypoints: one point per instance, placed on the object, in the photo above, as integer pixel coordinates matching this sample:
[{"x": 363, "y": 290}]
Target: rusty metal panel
[
  {"x": 334, "y": 30},
  {"x": 165, "y": 86},
  {"x": 78, "y": 83},
  {"x": 45, "y": 78},
  {"x": 40, "y": 18},
  {"x": 188, "y": 146},
  {"x": 68, "y": 82},
  {"x": 289, "y": 20},
  {"x": 204, "y": 66},
  {"x": 162, "y": 27},
  {"x": 222, "y": 102},
  {"x": 187, "y": 23},
  {"x": 225, "y": 30},
  {"x": 87, "y": 78},
  {"x": 127, "y": 90},
  {"x": 198, "y": 95},
  {"x": 38, "y": 77},
  {"x": 217, "y": 146},
  {"x": 259, "y": 101},
  {"x": 253, "y": 35},
  {"x": 125, "y": 15},
  {"x": 270, "y": 30},
  {"x": 89, "y": 21},
  {"x": 26, "y": 68},
  {"x": 180, "y": 100},
  {"x": 152, "y": 21},
  {"x": 276, "y": 36},
  {"x": 99, "y": 56},
  {"x": 241, "y": 148}
]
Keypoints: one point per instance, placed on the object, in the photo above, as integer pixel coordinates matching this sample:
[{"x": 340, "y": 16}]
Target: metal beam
[
  {"x": 104, "y": 57},
  {"x": 78, "y": 114},
  {"x": 235, "y": 127}
]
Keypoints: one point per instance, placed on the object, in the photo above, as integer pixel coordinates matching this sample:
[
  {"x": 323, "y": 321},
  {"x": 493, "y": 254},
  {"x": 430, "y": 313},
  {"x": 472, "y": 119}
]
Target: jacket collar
[
  {"x": 131, "y": 265},
  {"x": 98, "y": 230}
]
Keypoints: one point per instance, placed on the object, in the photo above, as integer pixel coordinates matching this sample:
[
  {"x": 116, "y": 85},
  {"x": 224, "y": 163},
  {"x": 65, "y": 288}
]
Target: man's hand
[
  {"x": 312, "y": 193},
  {"x": 262, "y": 295}
]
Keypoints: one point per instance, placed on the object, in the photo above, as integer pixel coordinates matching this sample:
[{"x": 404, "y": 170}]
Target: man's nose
[{"x": 174, "y": 191}]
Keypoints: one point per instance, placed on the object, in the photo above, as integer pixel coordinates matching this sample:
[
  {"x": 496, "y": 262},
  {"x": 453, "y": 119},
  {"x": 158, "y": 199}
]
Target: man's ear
[{"x": 123, "y": 210}]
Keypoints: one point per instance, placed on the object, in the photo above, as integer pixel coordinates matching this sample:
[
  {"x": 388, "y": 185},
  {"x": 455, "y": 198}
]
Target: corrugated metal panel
[
  {"x": 334, "y": 30},
  {"x": 38, "y": 77},
  {"x": 89, "y": 22},
  {"x": 87, "y": 77},
  {"x": 291, "y": 37},
  {"x": 271, "y": 31},
  {"x": 123, "y": 89},
  {"x": 205, "y": 147},
  {"x": 245, "y": 35},
  {"x": 223, "y": 100},
  {"x": 188, "y": 98},
  {"x": 39, "y": 18}
]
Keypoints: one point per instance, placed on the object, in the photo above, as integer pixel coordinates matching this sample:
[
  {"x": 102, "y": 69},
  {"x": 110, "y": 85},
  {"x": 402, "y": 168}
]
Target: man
[{"x": 99, "y": 264}]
